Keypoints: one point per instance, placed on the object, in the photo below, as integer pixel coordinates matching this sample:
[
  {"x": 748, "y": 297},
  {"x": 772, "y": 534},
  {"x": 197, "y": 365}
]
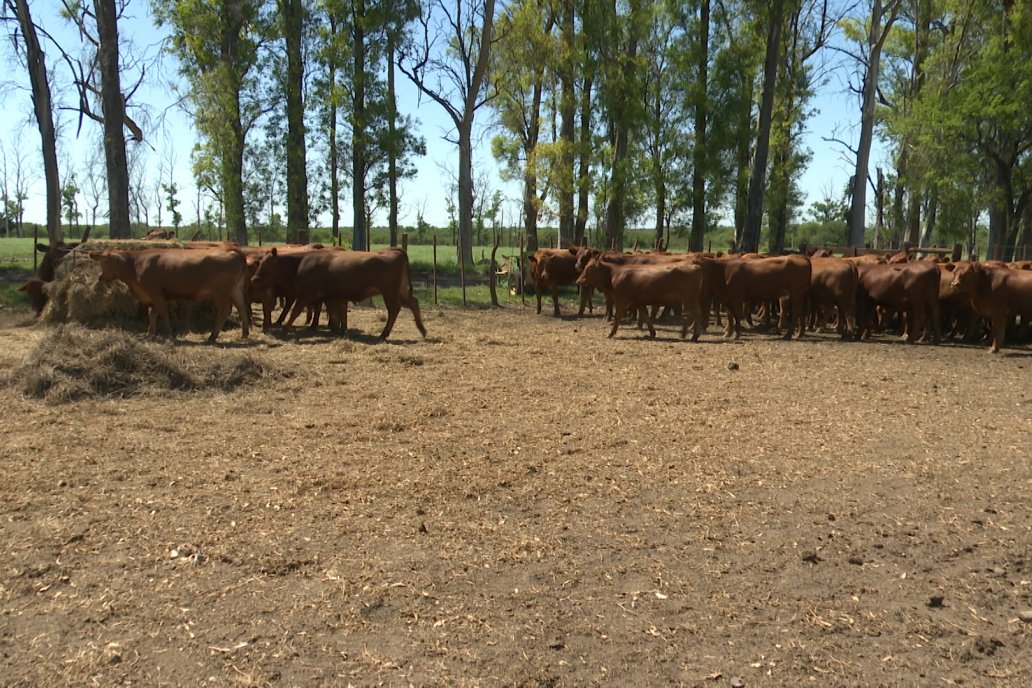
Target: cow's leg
[
  {"x": 648, "y": 315},
  {"x": 694, "y": 308},
  {"x": 537, "y": 293},
  {"x": 299, "y": 306},
  {"x": 223, "y": 305},
  {"x": 243, "y": 309},
  {"x": 413, "y": 305},
  {"x": 797, "y": 320},
  {"x": 159, "y": 306},
  {"x": 393, "y": 308},
  {"x": 998, "y": 322},
  {"x": 555, "y": 299},
  {"x": 734, "y": 319},
  {"x": 618, "y": 314},
  {"x": 288, "y": 302},
  {"x": 935, "y": 320},
  {"x": 585, "y": 300},
  {"x": 316, "y": 311},
  {"x": 152, "y": 321}
]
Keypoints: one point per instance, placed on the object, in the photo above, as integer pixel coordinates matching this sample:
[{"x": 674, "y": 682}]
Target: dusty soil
[{"x": 518, "y": 500}]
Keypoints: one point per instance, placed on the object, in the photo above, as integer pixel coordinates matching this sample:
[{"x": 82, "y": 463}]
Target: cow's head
[
  {"x": 969, "y": 276},
  {"x": 584, "y": 256},
  {"x": 110, "y": 264},
  {"x": 37, "y": 296},
  {"x": 265, "y": 273},
  {"x": 591, "y": 275}
]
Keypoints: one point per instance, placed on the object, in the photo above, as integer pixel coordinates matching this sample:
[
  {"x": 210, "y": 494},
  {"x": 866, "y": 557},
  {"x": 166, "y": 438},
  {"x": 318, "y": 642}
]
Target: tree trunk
[
  {"x": 43, "y": 106},
  {"x": 232, "y": 163},
  {"x": 621, "y": 133},
  {"x": 334, "y": 171},
  {"x": 876, "y": 39},
  {"x": 465, "y": 247},
  {"x": 568, "y": 112},
  {"x": 931, "y": 215},
  {"x": 758, "y": 177},
  {"x": 358, "y": 129},
  {"x": 584, "y": 168},
  {"x": 297, "y": 173},
  {"x": 392, "y": 144},
  {"x": 700, "y": 170},
  {"x": 113, "y": 104}
]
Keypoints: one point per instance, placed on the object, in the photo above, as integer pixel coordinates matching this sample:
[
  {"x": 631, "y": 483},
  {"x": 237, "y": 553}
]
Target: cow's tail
[{"x": 413, "y": 303}]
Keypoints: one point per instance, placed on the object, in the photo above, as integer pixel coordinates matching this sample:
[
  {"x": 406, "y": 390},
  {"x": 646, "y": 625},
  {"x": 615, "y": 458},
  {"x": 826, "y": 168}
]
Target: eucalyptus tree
[
  {"x": 521, "y": 59},
  {"x": 293, "y": 15},
  {"x": 808, "y": 26},
  {"x": 97, "y": 26},
  {"x": 617, "y": 31},
  {"x": 219, "y": 45},
  {"x": 976, "y": 103},
  {"x": 871, "y": 32},
  {"x": 447, "y": 60},
  {"x": 739, "y": 27},
  {"x": 27, "y": 43},
  {"x": 758, "y": 173},
  {"x": 905, "y": 56},
  {"x": 668, "y": 53}
]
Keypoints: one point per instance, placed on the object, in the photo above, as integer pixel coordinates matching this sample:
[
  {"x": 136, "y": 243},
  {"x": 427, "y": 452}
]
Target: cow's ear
[
  {"x": 532, "y": 259},
  {"x": 96, "y": 256},
  {"x": 24, "y": 287},
  {"x": 949, "y": 267},
  {"x": 273, "y": 251},
  {"x": 42, "y": 248}
]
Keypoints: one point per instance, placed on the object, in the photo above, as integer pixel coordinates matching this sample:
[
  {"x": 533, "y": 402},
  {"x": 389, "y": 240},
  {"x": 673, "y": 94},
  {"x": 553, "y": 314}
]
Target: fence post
[
  {"x": 435, "y": 268},
  {"x": 404, "y": 242},
  {"x": 35, "y": 240}
]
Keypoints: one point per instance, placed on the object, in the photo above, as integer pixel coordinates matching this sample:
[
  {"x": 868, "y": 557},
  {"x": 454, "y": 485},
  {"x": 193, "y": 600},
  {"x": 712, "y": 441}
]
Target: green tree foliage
[
  {"x": 218, "y": 45},
  {"x": 972, "y": 120}
]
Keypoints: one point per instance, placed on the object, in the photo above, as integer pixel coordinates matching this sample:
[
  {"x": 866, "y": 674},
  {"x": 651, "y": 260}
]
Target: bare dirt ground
[{"x": 519, "y": 501}]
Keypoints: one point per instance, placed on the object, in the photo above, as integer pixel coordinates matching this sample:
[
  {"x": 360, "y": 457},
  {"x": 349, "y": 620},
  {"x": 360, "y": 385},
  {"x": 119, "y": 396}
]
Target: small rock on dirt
[
  {"x": 1026, "y": 616},
  {"x": 732, "y": 365},
  {"x": 737, "y": 682},
  {"x": 935, "y": 601}
]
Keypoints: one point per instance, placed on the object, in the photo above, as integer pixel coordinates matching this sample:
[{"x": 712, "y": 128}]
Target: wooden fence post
[
  {"x": 35, "y": 240},
  {"x": 435, "y": 268}
]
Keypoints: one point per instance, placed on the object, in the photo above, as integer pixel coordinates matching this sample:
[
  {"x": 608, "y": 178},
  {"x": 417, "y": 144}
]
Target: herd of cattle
[{"x": 861, "y": 294}]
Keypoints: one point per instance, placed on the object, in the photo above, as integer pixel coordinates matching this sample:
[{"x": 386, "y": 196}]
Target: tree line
[{"x": 605, "y": 113}]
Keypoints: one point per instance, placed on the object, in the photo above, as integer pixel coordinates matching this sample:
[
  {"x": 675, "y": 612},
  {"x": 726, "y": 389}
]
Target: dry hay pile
[
  {"x": 72, "y": 362},
  {"x": 77, "y": 295}
]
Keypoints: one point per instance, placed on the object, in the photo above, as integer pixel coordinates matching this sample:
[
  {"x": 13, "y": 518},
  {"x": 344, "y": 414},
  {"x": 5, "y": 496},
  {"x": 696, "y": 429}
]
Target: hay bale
[
  {"x": 77, "y": 295},
  {"x": 72, "y": 362}
]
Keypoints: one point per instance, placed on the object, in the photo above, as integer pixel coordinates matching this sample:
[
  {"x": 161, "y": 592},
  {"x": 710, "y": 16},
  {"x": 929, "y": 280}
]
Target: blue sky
[{"x": 836, "y": 114}]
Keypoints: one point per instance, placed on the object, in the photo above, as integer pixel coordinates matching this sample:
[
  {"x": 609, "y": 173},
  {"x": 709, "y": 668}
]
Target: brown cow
[
  {"x": 551, "y": 268},
  {"x": 278, "y": 279},
  {"x": 639, "y": 286},
  {"x": 955, "y": 305},
  {"x": 154, "y": 276},
  {"x": 33, "y": 288},
  {"x": 330, "y": 275},
  {"x": 760, "y": 280},
  {"x": 909, "y": 287},
  {"x": 53, "y": 254},
  {"x": 997, "y": 294},
  {"x": 833, "y": 283}
]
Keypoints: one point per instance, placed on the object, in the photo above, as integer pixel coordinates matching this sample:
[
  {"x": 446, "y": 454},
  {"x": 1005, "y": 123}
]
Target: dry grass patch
[{"x": 72, "y": 362}]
